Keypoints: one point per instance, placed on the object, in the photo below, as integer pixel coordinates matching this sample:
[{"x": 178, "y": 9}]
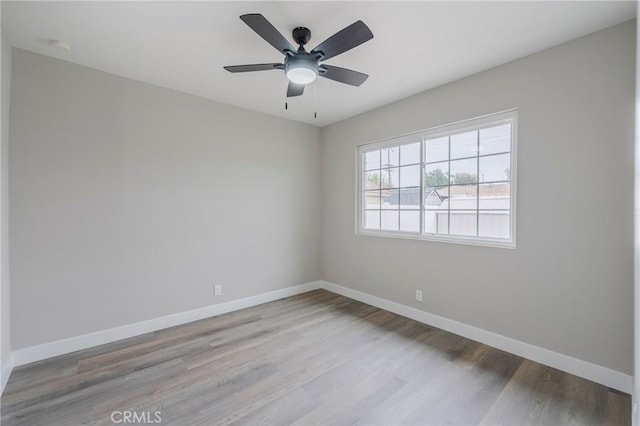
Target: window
[{"x": 452, "y": 183}]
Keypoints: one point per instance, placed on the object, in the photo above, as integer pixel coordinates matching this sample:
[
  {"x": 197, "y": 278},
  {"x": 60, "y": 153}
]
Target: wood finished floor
[{"x": 312, "y": 359}]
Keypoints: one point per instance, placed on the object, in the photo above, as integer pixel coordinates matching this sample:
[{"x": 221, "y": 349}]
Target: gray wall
[
  {"x": 5, "y": 326},
  {"x": 129, "y": 201},
  {"x": 568, "y": 286}
]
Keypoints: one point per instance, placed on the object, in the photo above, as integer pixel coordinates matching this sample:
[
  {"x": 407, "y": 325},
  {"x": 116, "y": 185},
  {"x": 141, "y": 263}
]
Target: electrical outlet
[
  {"x": 217, "y": 290},
  {"x": 418, "y": 295}
]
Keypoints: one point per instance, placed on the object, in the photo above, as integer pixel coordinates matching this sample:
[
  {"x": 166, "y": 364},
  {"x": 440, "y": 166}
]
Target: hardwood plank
[
  {"x": 281, "y": 411},
  {"x": 39, "y": 372},
  {"x": 296, "y": 373},
  {"x": 76, "y": 402},
  {"x": 314, "y": 358}
]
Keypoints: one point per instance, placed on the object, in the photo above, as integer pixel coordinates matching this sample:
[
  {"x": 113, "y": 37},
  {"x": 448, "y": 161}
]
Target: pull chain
[
  {"x": 315, "y": 99},
  {"x": 286, "y": 104}
]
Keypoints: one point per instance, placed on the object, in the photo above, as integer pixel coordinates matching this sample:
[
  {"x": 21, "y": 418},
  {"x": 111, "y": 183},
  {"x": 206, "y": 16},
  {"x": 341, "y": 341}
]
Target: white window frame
[{"x": 477, "y": 123}]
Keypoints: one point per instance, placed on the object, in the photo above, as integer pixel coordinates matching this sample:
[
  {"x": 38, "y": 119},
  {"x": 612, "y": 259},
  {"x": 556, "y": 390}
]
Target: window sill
[{"x": 485, "y": 242}]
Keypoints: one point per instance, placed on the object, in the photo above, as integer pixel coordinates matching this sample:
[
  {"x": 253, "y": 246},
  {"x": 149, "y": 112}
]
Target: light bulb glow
[
  {"x": 301, "y": 71},
  {"x": 301, "y": 75}
]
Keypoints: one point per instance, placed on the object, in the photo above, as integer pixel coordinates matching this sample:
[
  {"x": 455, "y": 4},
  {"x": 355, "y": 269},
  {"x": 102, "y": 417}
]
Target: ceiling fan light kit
[
  {"x": 302, "y": 67},
  {"x": 301, "y": 70}
]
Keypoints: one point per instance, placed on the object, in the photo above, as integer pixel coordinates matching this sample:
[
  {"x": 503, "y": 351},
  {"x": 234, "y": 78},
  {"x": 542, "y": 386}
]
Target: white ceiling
[{"x": 416, "y": 45}]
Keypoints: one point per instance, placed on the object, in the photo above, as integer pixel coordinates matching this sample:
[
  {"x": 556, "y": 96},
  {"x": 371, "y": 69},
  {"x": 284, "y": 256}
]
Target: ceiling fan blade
[
  {"x": 345, "y": 39},
  {"x": 253, "y": 67},
  {"x": 294, "y": 89},
  {"x": 260, "y": 25},
  {"x": 343, "y": 75}
]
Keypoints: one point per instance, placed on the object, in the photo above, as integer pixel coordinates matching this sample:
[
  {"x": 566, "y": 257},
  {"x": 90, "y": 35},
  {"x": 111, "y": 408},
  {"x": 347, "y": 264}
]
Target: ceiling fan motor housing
[{"x": 301, "y": 35}]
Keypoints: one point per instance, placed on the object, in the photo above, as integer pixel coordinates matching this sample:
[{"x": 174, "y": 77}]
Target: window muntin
[{"x": 454, "y": 183}]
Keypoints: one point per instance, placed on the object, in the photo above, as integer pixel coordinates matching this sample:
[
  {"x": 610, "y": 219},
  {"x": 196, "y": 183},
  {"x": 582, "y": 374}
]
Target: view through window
[{"x": 451, "y": 183}]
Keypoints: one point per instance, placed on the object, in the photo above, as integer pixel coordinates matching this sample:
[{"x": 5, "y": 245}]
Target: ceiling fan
[{"x": 300, "y": 66}]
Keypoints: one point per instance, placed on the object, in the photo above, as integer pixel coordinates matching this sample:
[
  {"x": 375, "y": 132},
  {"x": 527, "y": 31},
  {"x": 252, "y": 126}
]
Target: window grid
[
  {"x": 477, "y": 183},
  {"x": 494, "y": 202},
  {"x": 449, "y": 185},
  {"x": 422, "y": 210},
  {"x": 393, "y": 183},
  {"x": 469, "y": 158}
]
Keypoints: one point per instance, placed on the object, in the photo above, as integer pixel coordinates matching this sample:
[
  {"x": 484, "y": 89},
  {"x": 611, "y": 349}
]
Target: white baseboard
[
  {"x": 605, "y": 376},
  {"x": 7, "y": 367},
  {"x": 587, "y": 370},
  {"x": 60, "y": 347}
]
